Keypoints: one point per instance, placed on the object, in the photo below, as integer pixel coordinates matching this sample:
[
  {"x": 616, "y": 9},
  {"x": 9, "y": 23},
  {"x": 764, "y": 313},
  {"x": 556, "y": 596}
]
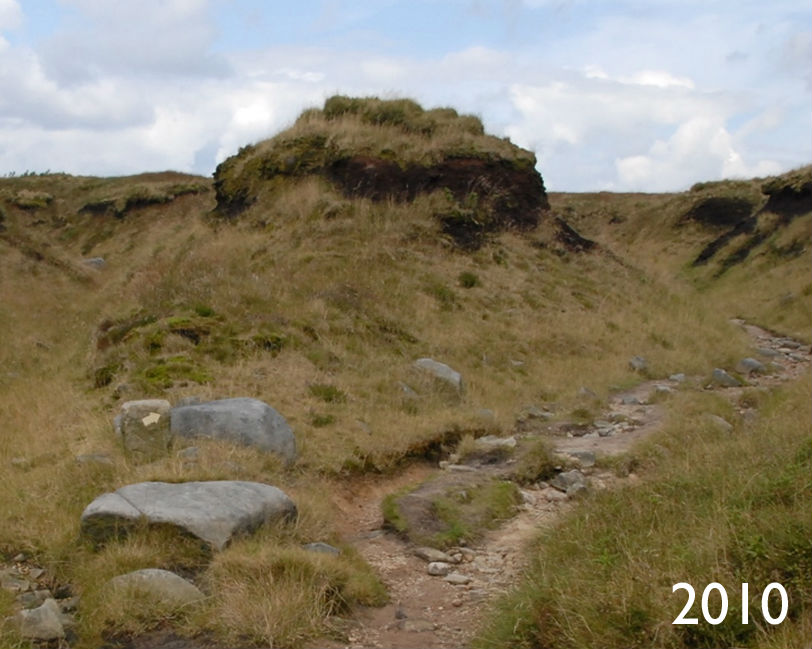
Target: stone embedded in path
[
  {"x": 438, "y": 568},
  {"x": 440, "y": 371},
  {"x": 143, "y": 428},
  {"x": 249, "y": 422},
  {"x": 457, "y": 579},
  {"x": 432, "y": 555},
  {"x": 156, "y": 584},
  {"x": 215, "y": 512},
  {"x": 722, "y": 378},
  {"x": 750, "y": 366}
]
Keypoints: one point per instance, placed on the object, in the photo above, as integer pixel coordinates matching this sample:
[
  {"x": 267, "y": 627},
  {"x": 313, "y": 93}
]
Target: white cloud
[{"x": 10, "y": 14}]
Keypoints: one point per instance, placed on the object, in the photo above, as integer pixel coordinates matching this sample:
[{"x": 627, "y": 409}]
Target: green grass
[{"x": 712, "y": 507}]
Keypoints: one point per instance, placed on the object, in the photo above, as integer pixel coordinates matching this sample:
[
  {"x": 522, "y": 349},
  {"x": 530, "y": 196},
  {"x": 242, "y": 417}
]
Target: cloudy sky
[{"x": 648, "y": 95}]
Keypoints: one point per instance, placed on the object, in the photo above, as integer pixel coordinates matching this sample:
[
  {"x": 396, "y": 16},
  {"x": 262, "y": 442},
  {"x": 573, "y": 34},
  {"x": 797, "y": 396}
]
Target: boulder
[
  {"x": 156, "y": 584},
  {"x": 215, "y": 512},
  {"x": 441, "y": 372},
  {"x": 143, "y": 428},
  {"x": 244, "y": 421}
]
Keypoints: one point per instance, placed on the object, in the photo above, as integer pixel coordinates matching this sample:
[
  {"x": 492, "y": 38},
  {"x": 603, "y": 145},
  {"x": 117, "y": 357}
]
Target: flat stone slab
[
  {"x": 214, "y": 512},
  {"x": 249, "y": 422},
  {"x": 159, "y": 584}
]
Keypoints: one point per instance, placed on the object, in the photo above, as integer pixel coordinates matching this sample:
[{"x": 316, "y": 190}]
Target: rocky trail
[{"x": 445, "y": 608}]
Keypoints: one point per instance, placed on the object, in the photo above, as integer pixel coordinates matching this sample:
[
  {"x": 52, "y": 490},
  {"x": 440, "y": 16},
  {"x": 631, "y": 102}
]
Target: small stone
[
  {"x": 722, "y": 378},
  {"x": 720, "y": 423},
  {"x": 19, "y": 558},
  {"x": 564, "y": 480},
  {"x": 158, "y": 584},
  {"x": 750, "y": 366},
  {"x": 35, "y": 573},
  {"x": 13, "y": 582},
  {"x": 585, "y": 458},
  {"x": 663, "y": 389},
  {"x": 189, "y": 453},
  {"x": 585, "y": 393},
  {"x": 578, "y": 489},
  {"x": 767, "y": 352},
  {"x": 457, "y": 579},
  {"x": 20, "y": 462},
  {"x": 553, "y": 495},
  {"x": 90, "y": 459},
  {"x": 438, "y": 568},
  {"x": 461, "y": 468},
  {"x": 42, "y": 623},
  {"x": 324, "y": 548},
  {"x": 677, "y": 378},
  {"x": 94, "y": 262},
  {"x": 638, "y": 363},
  {"x": 630, "y": 401},
  {"x": 456, "y": 603},
  {"x": 492, "y": 441},
  {"x": 417, "y": 626}
]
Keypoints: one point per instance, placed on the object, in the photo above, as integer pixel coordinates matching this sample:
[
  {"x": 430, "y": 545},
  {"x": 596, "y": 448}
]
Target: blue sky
[{"x": 625, "y": 95}]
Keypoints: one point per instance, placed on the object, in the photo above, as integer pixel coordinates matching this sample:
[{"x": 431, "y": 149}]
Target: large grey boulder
[
  {"x": 441, "y": 372},
  {"x": 162, "y": 585},
  {"x": 250, "y": 422},
  {"x": 143, "y": 428},
  {"x": 215, "y": 512}
]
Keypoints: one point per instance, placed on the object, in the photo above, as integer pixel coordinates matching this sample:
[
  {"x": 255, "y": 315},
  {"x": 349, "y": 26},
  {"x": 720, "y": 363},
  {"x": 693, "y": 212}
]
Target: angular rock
[
  {"x": 564, "y": 480},
  {"x": 245, "y": 421},
  {"x": 750, "y": 366},
  {"x": 438, "y": 568},
  {"x": 163, "y": 585},
  {"x": 143, "y": 428},
  {"x": 215, "y": 512},
  {"x": 42, "y": 623},
  {"x": 722, "y": 378},
  {"x": 432, "y": 555},
  {"x": 440, "y": 371},
  {"x": 34, "y": 598}
]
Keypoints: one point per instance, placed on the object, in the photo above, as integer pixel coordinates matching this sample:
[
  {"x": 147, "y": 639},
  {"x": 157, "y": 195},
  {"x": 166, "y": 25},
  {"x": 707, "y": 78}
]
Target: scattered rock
[
  {"x": 677, "y": 378},
  {"x": 722, "y": 378},
  {"x": 488, "y": 442},
  {"x": 576, "y": 490},
  {"x": 212, "y": 511},
  {"x": 157, "y": 584},
  {"x": 143, "y": 428},
  {"x": 586, "y": 393},
  {"x": 438, "y": 568},
  {"x": 34, "y": 598},
  {"x": 441, "y": 371},
  {"x": 585, "y": 458},
  {"x": 12, "y": 580},
  {"x": 189, "y": 453},
  {"x": 631, "y": 401},
  {"x": 457, "y": 579},
  {"x": 663, "y": 389},
  {"x": 766, "y": 352},
  {"x": 323, "y": 548},
  {"x": 553, "y": 495},
  {"x": 249, "y": 422},
  {"x": 564, "y": 480},
  {"x": 42, "y": 623},
  {"x": 432, "y": 555},
  {"x": 638, "y": 364},
  {"x": 750, "y": 366}
]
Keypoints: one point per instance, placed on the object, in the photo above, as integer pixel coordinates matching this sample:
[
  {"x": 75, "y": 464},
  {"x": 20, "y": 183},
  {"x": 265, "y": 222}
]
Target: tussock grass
[{"x": 714, "y": 506}]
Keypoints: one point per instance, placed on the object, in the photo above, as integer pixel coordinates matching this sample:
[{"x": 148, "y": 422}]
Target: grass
[{"x": 711, "y": 508}]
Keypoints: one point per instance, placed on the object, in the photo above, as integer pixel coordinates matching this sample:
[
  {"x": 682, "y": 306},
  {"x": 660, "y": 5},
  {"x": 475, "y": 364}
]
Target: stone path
[{"x": 426, "y": 611}]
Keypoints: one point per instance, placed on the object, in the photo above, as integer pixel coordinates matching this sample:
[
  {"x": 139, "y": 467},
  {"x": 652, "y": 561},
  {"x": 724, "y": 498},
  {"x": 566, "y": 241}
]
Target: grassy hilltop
[{"x": 310, "y": 272}]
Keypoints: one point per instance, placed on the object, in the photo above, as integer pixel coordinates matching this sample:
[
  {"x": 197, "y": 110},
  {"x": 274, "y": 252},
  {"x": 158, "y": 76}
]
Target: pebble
[{"x": 432, "y": 555}]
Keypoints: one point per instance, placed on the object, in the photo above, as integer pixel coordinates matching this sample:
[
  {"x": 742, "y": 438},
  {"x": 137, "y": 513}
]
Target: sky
[{"x": 616, "y": 95}]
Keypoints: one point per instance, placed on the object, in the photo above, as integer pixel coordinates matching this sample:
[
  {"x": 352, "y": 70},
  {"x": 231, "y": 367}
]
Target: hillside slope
[{"x": 312, "y": 272}]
